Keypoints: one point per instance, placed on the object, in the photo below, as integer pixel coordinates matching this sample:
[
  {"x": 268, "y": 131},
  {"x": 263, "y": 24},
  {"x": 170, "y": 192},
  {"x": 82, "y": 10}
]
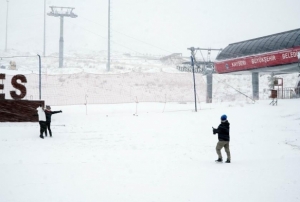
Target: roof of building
[{"x": 274, "y": 42}]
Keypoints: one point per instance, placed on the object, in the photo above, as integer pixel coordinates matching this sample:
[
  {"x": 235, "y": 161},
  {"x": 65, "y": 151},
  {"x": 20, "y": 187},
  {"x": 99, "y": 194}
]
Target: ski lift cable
[
  {"x": 236, "y": 90},
  {"x": 111, "y": 40},
  {"x": 17, "y": 56},
  {"x": 202, "y": 56},
  {"x": 129, "y": 36},
  {"x": 75, "y": 58}
]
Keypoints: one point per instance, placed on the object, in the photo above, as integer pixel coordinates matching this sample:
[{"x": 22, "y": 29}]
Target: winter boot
[
  {"x": 219, "y": 160},
  {"x": 41, "y": 136},
  {"x": 227, "y": 161}
]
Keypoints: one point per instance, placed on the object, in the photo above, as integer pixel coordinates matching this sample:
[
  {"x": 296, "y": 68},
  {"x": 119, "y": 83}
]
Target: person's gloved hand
[{"x": 60, "y": 111}]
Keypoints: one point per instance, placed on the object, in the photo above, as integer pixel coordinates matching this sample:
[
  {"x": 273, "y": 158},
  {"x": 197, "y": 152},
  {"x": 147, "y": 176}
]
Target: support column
[
  {"x": 255, "y": 85},
  {"x": 209, "y": 85},
  {"x": 61, "y": 12}
]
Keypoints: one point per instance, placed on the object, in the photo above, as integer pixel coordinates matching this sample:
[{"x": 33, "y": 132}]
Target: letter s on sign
[{"x": 18, "y": 86}]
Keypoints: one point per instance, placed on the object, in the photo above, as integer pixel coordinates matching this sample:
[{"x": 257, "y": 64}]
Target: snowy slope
[
  {"x": 165, "y": 154},
  {"x": 90, "y": 68}
]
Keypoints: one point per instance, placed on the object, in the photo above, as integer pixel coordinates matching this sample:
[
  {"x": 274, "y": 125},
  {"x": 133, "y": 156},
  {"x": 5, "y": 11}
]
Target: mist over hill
[{"x": 145, "y": 27}]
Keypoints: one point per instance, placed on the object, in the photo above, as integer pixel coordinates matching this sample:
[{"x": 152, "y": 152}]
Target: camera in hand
[{"x": 215, "y": 131}]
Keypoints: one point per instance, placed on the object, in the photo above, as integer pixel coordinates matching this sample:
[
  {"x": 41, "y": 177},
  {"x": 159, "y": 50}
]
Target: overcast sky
[{"x": 158, "y": 27}]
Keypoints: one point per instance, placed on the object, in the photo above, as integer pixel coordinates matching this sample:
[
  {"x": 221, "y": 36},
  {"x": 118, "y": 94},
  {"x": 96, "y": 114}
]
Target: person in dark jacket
[
  {"x": 224, "y": 139},
  {"x": 49, "y": 113}
]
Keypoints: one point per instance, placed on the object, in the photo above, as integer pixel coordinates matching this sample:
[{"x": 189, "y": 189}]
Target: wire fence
[
  {"x": 83, "y": 88},
  {"x": 90, "y": 88}
]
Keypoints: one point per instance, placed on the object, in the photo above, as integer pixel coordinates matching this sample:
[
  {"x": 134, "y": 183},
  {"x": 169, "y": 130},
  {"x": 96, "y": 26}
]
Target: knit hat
[{"x": 223, "y": 117}]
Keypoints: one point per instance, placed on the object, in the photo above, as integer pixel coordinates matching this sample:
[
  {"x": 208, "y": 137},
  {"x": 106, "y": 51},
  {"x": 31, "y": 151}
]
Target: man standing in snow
[
  {"x": 224, "y": 138},
  {"x": 42, "y": 120},
  {"x": 49, "y": 113}
]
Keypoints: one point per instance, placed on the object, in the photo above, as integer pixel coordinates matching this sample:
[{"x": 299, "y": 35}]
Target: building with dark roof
[{"x": 273, "y": 53}]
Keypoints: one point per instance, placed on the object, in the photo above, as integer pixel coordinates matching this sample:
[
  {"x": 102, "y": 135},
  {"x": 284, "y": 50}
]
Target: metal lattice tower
[
  {"x": 62, "y": 12},
  {"x": 207, "y": 70}
]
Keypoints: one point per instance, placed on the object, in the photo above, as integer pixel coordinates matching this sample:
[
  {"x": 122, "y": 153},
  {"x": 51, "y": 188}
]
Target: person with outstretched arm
[
  {"x": 42, "y": 120},
  {"x": 49, "y": 113},
  {"x": 224, "y": 139}
]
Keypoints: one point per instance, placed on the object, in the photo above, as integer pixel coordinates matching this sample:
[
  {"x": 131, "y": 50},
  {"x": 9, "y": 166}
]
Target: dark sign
[{"x": 17, "y": 85}]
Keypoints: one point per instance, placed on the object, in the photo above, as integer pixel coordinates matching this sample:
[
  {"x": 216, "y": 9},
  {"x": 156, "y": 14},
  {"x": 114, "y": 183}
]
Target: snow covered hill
[{"x": 131, "y": 78}]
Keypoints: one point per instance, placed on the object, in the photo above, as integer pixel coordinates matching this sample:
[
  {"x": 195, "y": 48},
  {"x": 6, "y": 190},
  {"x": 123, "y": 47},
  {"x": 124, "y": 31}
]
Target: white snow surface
[{"x": 154, "y": 152}]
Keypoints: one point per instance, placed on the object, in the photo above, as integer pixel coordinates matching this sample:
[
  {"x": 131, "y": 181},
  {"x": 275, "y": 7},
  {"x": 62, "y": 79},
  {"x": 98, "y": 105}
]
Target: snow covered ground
[
  {"x": 164, "y": 154},
  {"x": 161, "y": 152}
]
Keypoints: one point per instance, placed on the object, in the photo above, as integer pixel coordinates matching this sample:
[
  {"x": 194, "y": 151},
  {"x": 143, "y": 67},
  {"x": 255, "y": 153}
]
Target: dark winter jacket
[
  {"x": 49, "y": 114},
  {"x": 223, "y": 131}
]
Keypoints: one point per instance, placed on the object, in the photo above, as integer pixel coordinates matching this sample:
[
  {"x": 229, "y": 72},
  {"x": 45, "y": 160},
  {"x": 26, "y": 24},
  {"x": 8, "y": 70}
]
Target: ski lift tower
[
  {"x": 62, "y": 12},
  {"x": 207, "y": 70}
]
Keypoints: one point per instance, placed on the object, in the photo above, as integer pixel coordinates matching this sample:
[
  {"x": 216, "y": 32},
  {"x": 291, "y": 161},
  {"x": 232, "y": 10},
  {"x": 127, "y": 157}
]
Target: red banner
[{"x": 270, "y": 59}]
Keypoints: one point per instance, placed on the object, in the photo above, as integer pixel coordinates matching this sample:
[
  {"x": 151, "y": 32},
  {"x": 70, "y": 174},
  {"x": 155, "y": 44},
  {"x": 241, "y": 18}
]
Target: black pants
[
  {"x": 48, "y": 124},
  {"x": 42, "y": 127}
]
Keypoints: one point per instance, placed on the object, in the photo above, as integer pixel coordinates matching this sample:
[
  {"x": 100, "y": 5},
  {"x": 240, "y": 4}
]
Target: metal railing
[{"x": 289, "y": 93}]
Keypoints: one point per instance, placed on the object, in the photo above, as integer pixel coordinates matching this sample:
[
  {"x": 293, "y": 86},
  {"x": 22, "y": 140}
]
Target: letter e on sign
[
  {"x": 18, "y": 86},
  {"x": 2, "y": 96}
]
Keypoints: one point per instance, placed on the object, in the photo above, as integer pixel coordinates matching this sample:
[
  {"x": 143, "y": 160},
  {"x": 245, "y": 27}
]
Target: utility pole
[
  {"x": 44, "y": 50},
  {"x": 61, "y": 42},
  {"x": 62, "y": 12},
  {"x": 6, "y": 26},
  {"x": 108, "y": 48},
  {"x": 40, "y": 77},
  {"x": 192, "y": 63}
]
